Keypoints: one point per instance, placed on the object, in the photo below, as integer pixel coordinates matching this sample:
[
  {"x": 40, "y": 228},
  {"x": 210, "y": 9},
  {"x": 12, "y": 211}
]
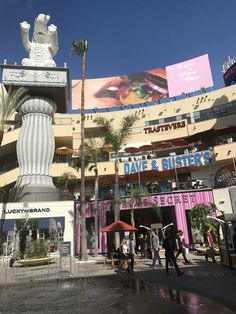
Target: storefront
[
  {"x": 174, "y": 206},
  {"x": 44, "y": 220}
]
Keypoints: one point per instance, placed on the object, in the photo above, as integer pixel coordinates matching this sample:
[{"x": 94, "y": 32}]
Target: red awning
[
  {"x": 165, "y": 144},
  {"x": 118, "y": 226},
  {"x": 146, "y": 147},
  {"x": 131, "y": 150},
  {"x": 180, "y": 142}
]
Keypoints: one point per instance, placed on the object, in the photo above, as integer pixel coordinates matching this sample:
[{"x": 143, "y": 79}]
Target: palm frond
[
  {"x": 10, "y": 101},
  {"x": 105, "y": 125},
  {"x": 116, "y": 137},
  {"x": 127, "y": 124},
  {"x": 79, "y": 47},
  {"x": 76, "y": 163}
]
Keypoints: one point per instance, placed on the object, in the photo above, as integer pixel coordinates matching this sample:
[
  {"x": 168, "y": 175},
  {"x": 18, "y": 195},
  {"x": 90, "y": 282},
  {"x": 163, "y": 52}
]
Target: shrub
[{"x": 37, "y": 249}]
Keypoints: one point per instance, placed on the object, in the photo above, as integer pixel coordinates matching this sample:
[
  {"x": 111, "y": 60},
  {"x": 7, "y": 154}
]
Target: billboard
[
  {"x": 230, "y": 75},
  {"x": 146, "y": 86},
  {"x": 189, "y": 76}
]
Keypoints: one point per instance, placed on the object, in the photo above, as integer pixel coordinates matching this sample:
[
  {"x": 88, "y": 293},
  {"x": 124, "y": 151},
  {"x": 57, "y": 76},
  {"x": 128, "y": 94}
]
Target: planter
[
  {"x": 35, "y": 261},
  {"x": 202, "y": 250}
]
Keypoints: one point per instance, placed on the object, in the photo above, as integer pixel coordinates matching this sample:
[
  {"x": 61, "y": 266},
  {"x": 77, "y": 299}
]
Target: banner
[
  {"x": 150, "y": 85},
  {"x": 189, "y": 76}
]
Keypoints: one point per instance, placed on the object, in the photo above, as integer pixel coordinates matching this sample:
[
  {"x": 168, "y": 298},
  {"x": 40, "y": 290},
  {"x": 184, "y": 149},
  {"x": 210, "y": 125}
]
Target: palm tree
[
  {"x": 80, "y": 48},
  {"x": 9, "y": 103},
  {"x": 200, "y": 214},
  {"x": 66, "y": 182},
  {"x": 93, "y": 147},
  {"x": 115, "y": 139},
  {"x": 136, "y": 199}
]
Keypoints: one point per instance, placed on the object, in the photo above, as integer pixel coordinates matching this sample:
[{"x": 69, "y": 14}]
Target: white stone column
[{"x": 35, "y": 150}]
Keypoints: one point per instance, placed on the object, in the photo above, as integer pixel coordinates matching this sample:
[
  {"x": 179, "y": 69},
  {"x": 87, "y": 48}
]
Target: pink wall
[{"x": 182, "y": 201}]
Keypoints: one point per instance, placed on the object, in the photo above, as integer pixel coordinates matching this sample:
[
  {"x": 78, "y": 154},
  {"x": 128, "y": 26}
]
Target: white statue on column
[{"x": 44, "y": 44}]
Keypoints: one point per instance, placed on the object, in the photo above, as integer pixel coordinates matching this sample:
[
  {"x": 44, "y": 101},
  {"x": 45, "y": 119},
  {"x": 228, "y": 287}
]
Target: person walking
[
  {"x": 169, "y": 254},
  {"x": 180, "y": 246},
  {"x": 155, "y": 246},
  {"x": 210, "y": 241},
  {"x": 147, "y": 238},
  {"x": 132, "y": 253},
  {"x": 142, "y": 245}
]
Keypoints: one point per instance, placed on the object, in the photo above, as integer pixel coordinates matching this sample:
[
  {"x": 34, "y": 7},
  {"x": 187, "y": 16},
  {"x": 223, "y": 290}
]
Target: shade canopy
[
  {"x": 138, "y": 147},
  {"x": 64, "y": 150},
  {"x": 118, "y": 226},
  {"x": 180, "y": 142},
  {"x": 131, "y": 150}
]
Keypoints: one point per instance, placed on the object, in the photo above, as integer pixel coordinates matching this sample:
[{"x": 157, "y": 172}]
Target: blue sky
[{"x": 127, "y": 36}]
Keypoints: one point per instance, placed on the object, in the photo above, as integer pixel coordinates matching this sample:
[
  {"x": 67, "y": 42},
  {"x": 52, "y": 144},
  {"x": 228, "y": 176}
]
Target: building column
[{"x": 35, "y": 151}]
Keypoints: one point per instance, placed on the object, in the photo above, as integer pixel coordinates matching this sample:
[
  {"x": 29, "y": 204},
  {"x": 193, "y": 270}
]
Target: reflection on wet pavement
[
  {"x": 120, "y": 294},
  {"x": 192, "y": 303}
]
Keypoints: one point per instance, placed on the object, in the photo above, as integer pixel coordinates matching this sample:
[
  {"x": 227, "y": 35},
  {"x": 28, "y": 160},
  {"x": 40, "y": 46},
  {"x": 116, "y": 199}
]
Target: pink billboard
[
  {"x": 189, "y": 76},
  {"x": 146, "y": 86}
]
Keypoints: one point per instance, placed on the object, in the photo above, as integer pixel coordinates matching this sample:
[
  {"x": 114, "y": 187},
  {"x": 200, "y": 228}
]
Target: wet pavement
[{"x": 205, "y": 287}]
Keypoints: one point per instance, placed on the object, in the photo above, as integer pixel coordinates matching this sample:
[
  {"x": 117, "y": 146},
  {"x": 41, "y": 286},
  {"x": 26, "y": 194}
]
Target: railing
[{"x": 8, "y": 167}]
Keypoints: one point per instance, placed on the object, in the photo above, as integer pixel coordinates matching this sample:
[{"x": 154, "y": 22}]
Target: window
[{"x": 215, "y": 112}]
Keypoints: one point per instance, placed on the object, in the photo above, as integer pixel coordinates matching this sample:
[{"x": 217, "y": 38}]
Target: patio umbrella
[
  {"x": 180, "y": 142},
  {"x": 147, "y": 147},
  {"x": 164, "y": 144},
  {"x": 108, "y": 148},
  {"x": 131, "y": 150},
  {"x": 118, "y": 226},
  {"x": 64, "y": 150},
  {"x": 138, "y": 147}
]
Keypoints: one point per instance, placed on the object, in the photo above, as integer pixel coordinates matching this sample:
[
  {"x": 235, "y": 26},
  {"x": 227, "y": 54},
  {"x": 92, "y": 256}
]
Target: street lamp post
[
  {"x": 176, "y": 178},
  {"x": 139, "y": 182}
]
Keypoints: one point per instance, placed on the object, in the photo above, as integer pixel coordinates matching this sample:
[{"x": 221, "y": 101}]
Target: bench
[{"x": 114, "y": 260}]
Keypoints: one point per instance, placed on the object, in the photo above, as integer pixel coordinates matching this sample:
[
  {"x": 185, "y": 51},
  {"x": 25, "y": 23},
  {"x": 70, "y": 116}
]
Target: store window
[{"x": 47, "y": 229}]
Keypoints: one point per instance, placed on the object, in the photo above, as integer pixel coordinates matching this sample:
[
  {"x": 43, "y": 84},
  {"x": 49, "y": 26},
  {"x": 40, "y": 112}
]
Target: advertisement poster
[
  {"x": 189, "y": 76},
  {"x": 146, "y": 86},
  {"x": 121, "y": 90}
]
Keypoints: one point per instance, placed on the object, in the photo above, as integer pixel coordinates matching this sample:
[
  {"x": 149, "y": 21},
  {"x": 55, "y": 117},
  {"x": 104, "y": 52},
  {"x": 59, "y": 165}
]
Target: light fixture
[
  {"x": 217, "y": 219},
  {"x": 164, "y": 228},
  {"x": 141, "y": 226}
]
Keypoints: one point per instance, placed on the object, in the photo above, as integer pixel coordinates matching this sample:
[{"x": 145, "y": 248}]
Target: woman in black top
[{"x": 169, "y": 254}]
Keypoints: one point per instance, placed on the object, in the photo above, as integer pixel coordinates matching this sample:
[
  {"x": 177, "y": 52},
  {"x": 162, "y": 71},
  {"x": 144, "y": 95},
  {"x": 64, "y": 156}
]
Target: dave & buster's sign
[{"x": 197, "y": 159}]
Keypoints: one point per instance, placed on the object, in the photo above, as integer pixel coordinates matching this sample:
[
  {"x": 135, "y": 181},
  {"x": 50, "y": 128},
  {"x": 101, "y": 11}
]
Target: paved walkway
[{"x": 200, "y": 278}]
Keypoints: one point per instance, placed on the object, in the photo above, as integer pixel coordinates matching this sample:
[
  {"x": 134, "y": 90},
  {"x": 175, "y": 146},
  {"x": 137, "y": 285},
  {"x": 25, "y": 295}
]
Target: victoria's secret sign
[{"x": 165, "y": 127}]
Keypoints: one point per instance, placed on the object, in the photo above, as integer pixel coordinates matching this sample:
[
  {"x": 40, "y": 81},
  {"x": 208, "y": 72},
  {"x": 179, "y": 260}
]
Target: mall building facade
[{"x": 184, "y": 154}]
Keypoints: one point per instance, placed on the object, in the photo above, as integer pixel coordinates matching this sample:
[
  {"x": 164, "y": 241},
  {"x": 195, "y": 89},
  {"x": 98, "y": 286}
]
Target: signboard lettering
[
  {"x": 65, "y": 248},
  {"x": 26, "y": 210},
  {"x": 165, "y": 127},
  {"x": 167, "y": 163}
]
